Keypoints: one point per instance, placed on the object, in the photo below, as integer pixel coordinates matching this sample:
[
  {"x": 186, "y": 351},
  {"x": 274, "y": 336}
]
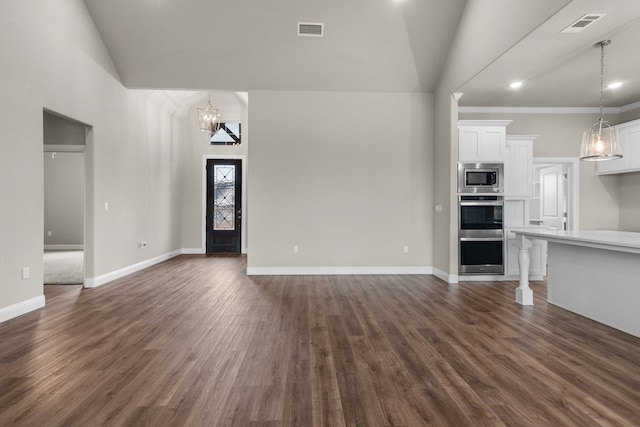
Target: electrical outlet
[
  {"x": 295, "y": 249},
  {"x": 406, "y": 249},
  {"x": 26, "y": 273},
  {"x": 49, "y": 233},
  {"x": 106, "y": 206},
  {"x": 438, "y": 208}
]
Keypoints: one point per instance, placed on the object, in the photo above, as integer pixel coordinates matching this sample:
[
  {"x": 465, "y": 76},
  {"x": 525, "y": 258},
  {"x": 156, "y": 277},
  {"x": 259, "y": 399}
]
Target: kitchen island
[{"x": 593, "y": 273}]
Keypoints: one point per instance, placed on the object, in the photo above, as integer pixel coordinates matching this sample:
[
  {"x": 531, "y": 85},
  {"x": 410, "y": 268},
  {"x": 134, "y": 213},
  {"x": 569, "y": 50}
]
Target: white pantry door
[{"x": 553, "y": 203}]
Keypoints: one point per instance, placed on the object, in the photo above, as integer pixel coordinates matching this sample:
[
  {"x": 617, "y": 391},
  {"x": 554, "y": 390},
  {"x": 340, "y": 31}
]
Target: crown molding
[
  {"x": 539, "y": 110},
  {"x": 630, "y": 107},
  {"x": 548, "y": 110}
]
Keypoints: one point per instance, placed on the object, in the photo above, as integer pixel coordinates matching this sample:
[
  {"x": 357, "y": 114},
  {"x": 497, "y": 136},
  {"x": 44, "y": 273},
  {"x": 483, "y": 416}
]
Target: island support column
[{"x": 524, "y": 294}]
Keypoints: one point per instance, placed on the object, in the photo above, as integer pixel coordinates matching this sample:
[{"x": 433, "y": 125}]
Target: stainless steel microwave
[{"x": 480, "y": 178}]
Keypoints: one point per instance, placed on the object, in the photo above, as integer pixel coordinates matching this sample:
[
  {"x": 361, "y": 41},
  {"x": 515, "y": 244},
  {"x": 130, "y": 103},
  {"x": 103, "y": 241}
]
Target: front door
[{"x": 224, "y": 205}]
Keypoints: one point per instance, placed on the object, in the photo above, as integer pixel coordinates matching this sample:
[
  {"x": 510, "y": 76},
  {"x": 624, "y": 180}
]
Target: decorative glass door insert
[
  {"x": 224, "y": 205},
  {"x": 224, "y": 189}
]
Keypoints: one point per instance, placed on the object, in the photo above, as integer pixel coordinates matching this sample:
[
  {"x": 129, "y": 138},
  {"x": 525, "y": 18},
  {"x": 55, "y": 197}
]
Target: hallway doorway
[
  {"x": 556, "y": 185},
  {"x": 64, "y": 204}
]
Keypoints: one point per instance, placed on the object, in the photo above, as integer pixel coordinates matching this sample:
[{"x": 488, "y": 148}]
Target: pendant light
[
  {"x": 600, "y": 142},
  {"x": 209, "y": 118}
]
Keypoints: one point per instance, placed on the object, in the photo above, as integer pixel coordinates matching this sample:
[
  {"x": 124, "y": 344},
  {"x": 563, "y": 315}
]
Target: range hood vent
[
  {"x": 312, "y": 29},
  {"x": 583, "y": 22}
]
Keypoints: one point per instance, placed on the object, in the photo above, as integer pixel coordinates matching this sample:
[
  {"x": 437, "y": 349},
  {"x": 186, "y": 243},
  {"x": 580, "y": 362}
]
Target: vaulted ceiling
[{"x": 376, "y": 45}]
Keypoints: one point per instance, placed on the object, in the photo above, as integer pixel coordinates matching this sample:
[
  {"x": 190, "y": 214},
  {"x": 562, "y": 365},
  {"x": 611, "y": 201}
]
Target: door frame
[
  {"x": 203, "y": 219},
  {"x": 88, "y": 265},
  {"x": 573, "y": 186}
]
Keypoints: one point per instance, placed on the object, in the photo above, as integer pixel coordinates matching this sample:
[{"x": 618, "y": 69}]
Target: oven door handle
[
  {"x": 481, "y": 203},
  {"x": 481, "y": 239}
]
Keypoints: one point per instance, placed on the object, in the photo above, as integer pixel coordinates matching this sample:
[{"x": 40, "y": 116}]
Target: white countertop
[{"x": 623, "y": 241}]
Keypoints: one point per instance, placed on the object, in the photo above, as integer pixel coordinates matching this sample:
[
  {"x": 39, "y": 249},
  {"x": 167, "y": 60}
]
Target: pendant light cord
[{"x": 601, "y": 82}]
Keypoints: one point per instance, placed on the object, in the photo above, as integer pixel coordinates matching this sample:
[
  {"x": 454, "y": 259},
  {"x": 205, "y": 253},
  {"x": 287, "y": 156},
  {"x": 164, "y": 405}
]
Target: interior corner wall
[
  {"x": 345, "y": 177},
  {"x": 561, "y": 136},
  {"x": 445, "y": 258},
  {"x": 53, "y": 59}
]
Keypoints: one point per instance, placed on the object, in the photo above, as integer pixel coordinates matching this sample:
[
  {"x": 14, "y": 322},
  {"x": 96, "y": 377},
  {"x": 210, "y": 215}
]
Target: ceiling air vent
[
  {"x": 583, "y": 22},
  {"x": 310, "y": 29}
]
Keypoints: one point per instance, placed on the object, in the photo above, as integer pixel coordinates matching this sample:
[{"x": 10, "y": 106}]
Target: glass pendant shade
[
  {"x": 209, "y": 118},
  {"x": 600, "y": 142}
]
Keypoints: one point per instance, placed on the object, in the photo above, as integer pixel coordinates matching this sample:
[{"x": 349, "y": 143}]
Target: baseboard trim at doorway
[
  {"x": 449, "y": 278},
  {"x": 94, "y": 282},
  {"x": 63, "y": 247},
  {"x": 23, "y": 307}
]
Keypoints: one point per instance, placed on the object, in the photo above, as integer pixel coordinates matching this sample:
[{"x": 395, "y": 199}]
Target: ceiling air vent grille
[
  {"x": 583, "y": 22},
  {"x": 310, "y": 29}
]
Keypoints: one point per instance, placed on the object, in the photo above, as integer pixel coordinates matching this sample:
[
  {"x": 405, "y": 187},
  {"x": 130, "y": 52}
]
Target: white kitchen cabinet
[
  {"x": 629, "y": 137},
  {"x": 537, "y": 258},
  {"x": 518, "y": 166},
  {"x": 515, "y": 213},
  {"x": 482, "y": 140}
]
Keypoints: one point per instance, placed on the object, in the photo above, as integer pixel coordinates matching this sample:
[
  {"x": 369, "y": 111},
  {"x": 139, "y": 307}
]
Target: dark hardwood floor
[{"x": 195, "y": 342}]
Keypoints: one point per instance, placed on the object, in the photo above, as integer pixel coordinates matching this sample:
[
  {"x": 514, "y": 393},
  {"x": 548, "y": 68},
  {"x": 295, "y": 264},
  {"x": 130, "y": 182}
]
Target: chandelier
[
  {"x": 209, "y": 118},
  {"x": 600, "y": 142}
]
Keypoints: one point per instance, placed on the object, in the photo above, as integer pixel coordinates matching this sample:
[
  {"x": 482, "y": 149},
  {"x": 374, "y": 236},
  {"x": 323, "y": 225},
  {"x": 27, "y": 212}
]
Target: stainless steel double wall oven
[{"x": 480, "y": 209}]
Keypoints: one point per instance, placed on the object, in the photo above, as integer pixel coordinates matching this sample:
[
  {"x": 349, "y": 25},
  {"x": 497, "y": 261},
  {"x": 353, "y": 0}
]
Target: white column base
[{"x": 524, "y": 296}]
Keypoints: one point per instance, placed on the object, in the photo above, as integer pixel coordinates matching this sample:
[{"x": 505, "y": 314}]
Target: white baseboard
[
  {"x": 192, "y": 251},
  {"x": 64, "y": 247},
  {"x": 514, "y": 278},
  {"x": 449, "y": 278},
  {"x": 494, "y": 278},
  {"x": 305, "y": 271},
  {"x": 201, "y": 251},
  {"x": 21, "y": 308},
  {"x": 482, "y": 278},
  {"x": 93, "y": 282}
]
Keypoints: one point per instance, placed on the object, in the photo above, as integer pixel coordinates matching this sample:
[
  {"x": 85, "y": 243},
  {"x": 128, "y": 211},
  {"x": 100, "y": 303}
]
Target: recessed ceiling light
[
  {"x": 614, "y": 85},
  {"x": 515, "y": 85}
]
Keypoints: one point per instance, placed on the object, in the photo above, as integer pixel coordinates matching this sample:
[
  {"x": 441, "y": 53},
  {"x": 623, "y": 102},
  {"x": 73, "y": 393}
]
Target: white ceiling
[
  {"x": 564, "y": 69},
  {"x": 374, "y": 45}
]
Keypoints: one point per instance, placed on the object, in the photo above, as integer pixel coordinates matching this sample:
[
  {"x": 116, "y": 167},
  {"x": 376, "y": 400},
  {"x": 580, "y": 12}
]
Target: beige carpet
[{"x": 63, "y": 267}]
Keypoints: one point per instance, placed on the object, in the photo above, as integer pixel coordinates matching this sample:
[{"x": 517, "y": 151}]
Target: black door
[{"x": 224, "y": 205}]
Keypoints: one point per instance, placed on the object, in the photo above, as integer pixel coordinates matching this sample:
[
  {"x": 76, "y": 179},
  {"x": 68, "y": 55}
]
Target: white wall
[
  {"x": 346, "y": 177},
  {"x": 64, "y": 176},
  {"x": 630, "y": 202},
  {"x": 445, "y": 223},
  {"x": 53, "y": 58},
  {"x": 195, "y": 145},
  {"x": 629, "y": 188},
  {"x": 561, "y": 136}
]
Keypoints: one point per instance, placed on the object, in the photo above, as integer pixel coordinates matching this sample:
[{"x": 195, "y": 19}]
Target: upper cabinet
[
  {"x": 518, "y": 166},
  {"x": 629, "y": 137},
  {"x": 482, "y": 140}
]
